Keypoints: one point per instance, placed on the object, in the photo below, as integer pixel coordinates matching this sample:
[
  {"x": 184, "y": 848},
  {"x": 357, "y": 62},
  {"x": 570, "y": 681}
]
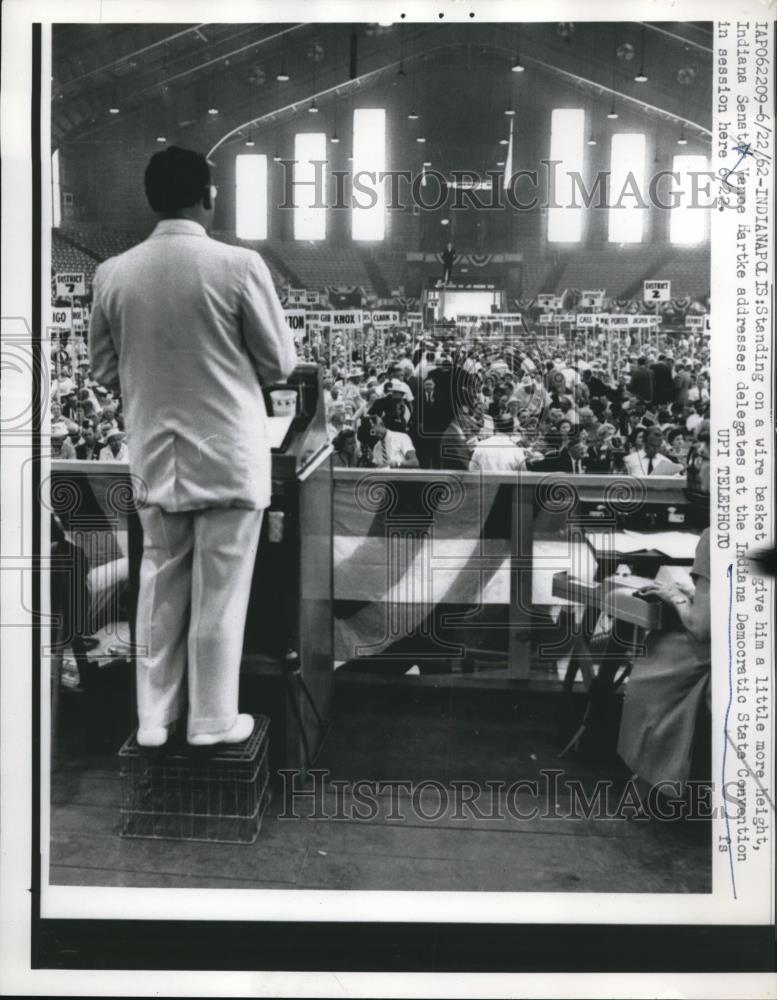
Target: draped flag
[
  {"x": 424, "y": 568},
  {"x": 478, "y": 259},
  {"x": 345, "y": 296}
]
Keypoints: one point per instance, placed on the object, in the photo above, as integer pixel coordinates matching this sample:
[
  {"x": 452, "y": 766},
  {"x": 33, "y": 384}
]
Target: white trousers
[{"x": 195, "y": 581}]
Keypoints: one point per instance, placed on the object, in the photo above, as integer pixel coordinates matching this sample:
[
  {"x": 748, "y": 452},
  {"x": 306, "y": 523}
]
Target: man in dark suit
[
  {"x": 596, "y": 387},
  {"x": 448, "y": 257},
  {"x": 642, "y": 381},
  {"x": 663, "y": 381},
  {"x": 570, "y": 458},
  {"x": 430, "y": 416}
]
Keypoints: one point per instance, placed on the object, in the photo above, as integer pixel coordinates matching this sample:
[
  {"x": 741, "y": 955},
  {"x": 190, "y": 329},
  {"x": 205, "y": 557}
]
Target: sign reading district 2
[
  {"x": 657, "y": 291},
  {"x": 70, "y": 284}
]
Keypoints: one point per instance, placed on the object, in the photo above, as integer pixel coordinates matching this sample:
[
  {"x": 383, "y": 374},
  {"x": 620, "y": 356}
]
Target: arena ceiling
[{"x": 205, "y": 83}]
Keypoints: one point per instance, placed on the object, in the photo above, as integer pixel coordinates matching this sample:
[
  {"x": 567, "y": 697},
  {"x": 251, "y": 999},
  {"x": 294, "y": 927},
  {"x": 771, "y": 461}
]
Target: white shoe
[
  {"x": 238, "y": 733},
  {"x": 154, "y": 736}
]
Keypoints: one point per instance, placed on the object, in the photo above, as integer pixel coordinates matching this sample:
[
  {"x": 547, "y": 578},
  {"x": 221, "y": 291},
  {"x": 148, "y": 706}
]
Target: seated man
[
  {"x": 391, "y": 449},
  {"x": 648, "y": 460}
]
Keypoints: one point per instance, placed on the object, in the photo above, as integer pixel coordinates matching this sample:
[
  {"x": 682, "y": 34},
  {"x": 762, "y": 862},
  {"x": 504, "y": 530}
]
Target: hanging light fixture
[
  {"x": 335, "y": 137},
  {"x": 282, "y": 75},
  {"x": 612, "y": 114},
  {"x": 420, "y": 138},
  {"x": 276, "y": 154},
  {"x": 641, "y": 76},
  {"x": 504, "y": 142},
  {"x": 517, "y": 66},
  {"x": 413, "y": 115},
  {"x": 161, "y": 138},
  {"x": 313, "y": 109},
  {"x": 113, "y": 104},
  {"x": 213, "y": 107},
  {"x": 591, "y": 141},
  {"x": 500, "y": 163},
  {"x": 427, "y": 163},
  {"x": 685, "y": 83},
  {"x": 250, "y": 140}
]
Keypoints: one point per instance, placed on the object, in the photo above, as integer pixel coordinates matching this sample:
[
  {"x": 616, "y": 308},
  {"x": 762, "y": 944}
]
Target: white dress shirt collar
[{"x": 180, "y": 227}]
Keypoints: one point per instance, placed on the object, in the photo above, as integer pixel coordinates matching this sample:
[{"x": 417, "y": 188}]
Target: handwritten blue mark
[
  {"x": 744, "y": 150},
  {"x": 725, "y": 726}
]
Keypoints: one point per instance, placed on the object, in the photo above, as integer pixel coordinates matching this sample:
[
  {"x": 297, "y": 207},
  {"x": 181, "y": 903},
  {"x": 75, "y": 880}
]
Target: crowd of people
[
  {"x": 491, "y": 406},
  {"x": 87, "y": 421},
  {"x": 460, "y": 402}
]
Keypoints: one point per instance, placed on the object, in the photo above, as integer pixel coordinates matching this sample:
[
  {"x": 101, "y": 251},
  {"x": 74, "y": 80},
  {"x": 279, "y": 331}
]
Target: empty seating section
[
  {"x": 534, "y": 274},
  {"x": 689, "y": 272},
  {"x": 618, "y": 269},
  {"x": 67, "y": 258},
  {"x": 621, "y": 270},
  {"x": 392, "y": 267},
  {"x": 103, "y": 243},
  {"x": 318, "y": 266}
]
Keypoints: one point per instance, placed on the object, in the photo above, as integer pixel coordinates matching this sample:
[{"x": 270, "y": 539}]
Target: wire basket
[{"x": 217, "y": 795}]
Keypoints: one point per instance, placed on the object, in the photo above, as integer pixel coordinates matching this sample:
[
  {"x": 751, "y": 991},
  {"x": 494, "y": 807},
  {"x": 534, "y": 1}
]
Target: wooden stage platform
[{"x": 412, "y": 729}]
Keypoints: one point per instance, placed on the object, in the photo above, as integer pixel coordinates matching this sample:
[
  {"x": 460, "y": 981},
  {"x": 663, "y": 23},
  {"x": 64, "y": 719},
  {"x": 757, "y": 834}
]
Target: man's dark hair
[{"x": 175, "y": 179}]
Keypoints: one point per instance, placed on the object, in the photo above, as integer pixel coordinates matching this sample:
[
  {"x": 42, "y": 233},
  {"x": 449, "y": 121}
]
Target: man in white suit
[{"x": 189, "y": 327}]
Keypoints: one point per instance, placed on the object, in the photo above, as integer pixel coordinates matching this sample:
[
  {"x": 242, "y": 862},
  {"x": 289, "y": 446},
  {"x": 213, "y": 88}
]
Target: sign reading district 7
[{"x": 70, "y": 284}]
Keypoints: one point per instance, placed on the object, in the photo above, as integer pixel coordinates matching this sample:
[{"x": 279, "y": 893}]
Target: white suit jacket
[{"x": 188, "y": 327}]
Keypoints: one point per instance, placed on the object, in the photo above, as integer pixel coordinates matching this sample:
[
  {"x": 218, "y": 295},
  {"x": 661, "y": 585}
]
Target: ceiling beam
[
  {"x": 346, "y": 86},
  {"x": 659, "y": 30},
  {"x": 133, "y": 55}
]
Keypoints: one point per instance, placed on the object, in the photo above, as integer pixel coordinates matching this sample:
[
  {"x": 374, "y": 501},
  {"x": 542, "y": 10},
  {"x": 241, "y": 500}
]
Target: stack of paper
[
  {"x": 618, "y": 541},
  {"x": 673, "y": 544}
]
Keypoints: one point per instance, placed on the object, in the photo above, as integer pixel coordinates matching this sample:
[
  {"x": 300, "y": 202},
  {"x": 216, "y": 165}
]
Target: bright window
[
  {"x": 251, "y": 197},
  {"x": 567, "y": 125},
  {"x": 627, "y": 188},
  {"x": 56, "y": 205},
  {"x": 309, "y": 189},
  {"x": 688, "y": 223},
  {"x": 368, "y": 220}
]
